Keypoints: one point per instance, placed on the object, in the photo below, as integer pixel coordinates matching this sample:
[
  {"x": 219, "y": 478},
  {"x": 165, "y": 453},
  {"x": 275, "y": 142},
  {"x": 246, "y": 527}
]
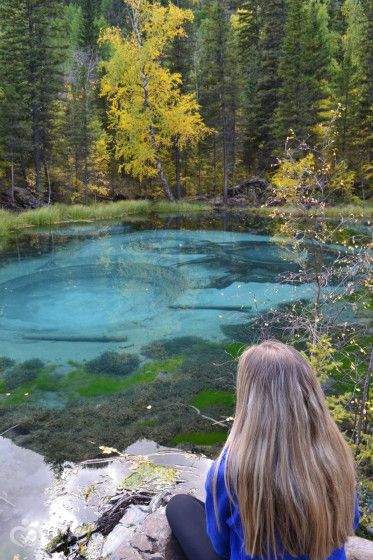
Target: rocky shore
[{"x": 113, "y": 508}]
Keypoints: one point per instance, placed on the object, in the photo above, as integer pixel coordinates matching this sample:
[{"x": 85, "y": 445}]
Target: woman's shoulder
[{"x": 217, "y": 471}]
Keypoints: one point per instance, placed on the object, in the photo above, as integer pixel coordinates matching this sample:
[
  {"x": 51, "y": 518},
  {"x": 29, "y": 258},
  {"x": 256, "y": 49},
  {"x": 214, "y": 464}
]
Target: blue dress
[{"x": 228, "y": 541}]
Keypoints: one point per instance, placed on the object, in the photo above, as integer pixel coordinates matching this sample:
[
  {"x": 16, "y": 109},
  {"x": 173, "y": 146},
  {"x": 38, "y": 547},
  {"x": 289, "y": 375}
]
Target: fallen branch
[
  {"x": 69, "y": 543},
  {"x": 8, "y": 430}
]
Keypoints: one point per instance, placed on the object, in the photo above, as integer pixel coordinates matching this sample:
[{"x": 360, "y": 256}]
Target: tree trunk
[
  {"x": 35, "y": 114},
  {"x": 47, "y": 176},
  {"x": 177, "y": 170},
  {"x": 13, "y": 179}
]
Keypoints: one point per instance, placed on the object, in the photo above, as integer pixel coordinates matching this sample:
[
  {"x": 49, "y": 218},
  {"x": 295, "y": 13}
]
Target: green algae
[
  {"x": 80, "y": 383},
  {"x": 201, "y": 438},
  {"x": 209, "y": 397}
]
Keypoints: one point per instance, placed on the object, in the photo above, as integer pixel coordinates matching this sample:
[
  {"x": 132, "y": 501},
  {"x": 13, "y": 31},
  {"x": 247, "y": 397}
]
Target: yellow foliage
[
  {"x": 148, "y": 112},
  {"x": 294, "y": 178}
]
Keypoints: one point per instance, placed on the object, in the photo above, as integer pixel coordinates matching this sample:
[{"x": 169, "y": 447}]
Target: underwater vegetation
[
  {"x": 99, "y": 409},
  {"x": 20, "y": 374},
  {"x": 5, "y": 363},
  {"x": 209, "y": 398},
  {"x": 161, "y": 349},
  {"x": 201, "y": 438},
  {"x": 113, "y": 363}
]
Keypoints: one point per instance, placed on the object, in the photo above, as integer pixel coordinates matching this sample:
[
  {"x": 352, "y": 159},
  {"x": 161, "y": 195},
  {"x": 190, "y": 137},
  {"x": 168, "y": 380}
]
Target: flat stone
[
  {"x": 359, "y": 549},
  {"x": 156, "y": 527},
  {"x": 141, "y": 542},
  {"x": 125, "y": 552}
]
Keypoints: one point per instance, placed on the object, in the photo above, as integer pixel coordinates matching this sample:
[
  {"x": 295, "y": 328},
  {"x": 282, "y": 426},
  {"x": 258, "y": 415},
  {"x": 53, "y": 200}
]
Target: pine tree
[
  {"x": 180, "y": 61},
  {"x": 80, "y": 135},
  {"x": 248, "y": 33},
  {"x": 31, "y": 53},
  {"x": 353, "y": 92},
  {"x": 265, "y": 96},
  {"x": 15, "y": 121},
  {"x": 218, "y": 88},
  {"x": 304, "y": 71}
]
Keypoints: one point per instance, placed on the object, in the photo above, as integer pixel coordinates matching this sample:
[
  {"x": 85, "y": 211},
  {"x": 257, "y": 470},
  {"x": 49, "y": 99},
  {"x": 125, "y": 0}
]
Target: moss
[
  {"x": 209, "y": 397},
  {"x": 201, "y": 438},
  {"x": 162, "y": 349},
  {"x": 148, "y": 475},
  {"x": 113, "y": 363}
]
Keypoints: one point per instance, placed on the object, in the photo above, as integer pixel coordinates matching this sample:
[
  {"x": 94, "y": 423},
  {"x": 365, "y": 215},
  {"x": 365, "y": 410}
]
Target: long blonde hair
[{"x": 287, "y": 464}]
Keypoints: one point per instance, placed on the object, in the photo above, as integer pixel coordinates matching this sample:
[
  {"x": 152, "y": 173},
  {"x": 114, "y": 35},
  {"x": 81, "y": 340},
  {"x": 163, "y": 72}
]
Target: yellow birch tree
[{"x": 147, "y": 110}]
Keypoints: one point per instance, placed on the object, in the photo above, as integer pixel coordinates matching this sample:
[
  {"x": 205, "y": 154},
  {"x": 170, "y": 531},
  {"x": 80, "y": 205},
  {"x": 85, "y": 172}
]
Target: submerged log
[
  {"x": 74, "y": 338},
  {"x": 243, "y": 308}
]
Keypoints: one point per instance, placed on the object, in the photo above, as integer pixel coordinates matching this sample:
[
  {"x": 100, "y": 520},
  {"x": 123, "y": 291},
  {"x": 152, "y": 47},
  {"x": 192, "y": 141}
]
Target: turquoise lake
[
  {"x": 113, "y": 332},
  {"x": 115, "y": 287}
]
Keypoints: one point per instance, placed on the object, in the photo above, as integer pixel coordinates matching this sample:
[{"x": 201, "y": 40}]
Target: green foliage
[
  {"x": 320, "y": 354},
  {"x": 31, "y": 55}
]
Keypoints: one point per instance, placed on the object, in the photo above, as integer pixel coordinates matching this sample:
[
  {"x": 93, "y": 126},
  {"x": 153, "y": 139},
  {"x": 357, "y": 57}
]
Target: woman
[{"x": 283, "y": 486}]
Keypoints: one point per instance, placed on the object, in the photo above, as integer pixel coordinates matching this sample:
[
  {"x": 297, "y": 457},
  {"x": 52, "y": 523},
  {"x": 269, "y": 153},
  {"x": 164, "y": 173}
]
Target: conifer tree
[
  {"x": 304, "y": 70},
  {"x": 265, "y": 97},
  {"x": 248, "y": 33},
  {"x": 354, "y": 77},
  {"x": 218, "y": 88},
  {"x": 31, "y": 53}
]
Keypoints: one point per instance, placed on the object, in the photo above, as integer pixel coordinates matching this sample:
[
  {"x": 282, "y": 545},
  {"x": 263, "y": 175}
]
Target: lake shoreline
[{"x": 12, "y": 223}]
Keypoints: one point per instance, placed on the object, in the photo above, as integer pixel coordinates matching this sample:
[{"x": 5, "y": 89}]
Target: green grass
[
  {"x": 11, "y": 223},
  {"x": 210, "y": 397},
  {"x": 75, "y": 213},
  {"x": 201, "y": 438}
]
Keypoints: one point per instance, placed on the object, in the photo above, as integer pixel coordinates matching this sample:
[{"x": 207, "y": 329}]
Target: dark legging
[{"x": 186, "y": 516}]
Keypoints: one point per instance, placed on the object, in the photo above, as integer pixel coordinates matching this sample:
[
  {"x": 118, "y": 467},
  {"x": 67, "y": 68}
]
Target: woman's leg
[{"x": 186, "y": 516}]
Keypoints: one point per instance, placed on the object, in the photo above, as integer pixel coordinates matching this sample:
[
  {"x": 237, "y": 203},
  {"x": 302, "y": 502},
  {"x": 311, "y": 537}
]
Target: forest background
[{"x": 110, "y": 99}]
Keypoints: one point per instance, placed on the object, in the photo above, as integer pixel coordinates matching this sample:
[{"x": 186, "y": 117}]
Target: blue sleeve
[
  {"x": 219, "y": 535},
  {"x": 357, "y": 512}
]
